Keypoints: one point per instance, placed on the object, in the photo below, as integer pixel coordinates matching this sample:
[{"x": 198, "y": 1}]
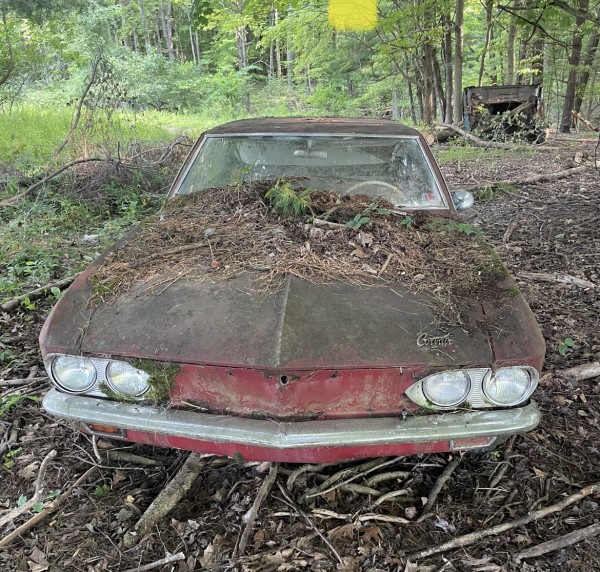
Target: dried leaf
[
  {"x": 343, "y": 531},
  {"x": 359, "y": 253}
]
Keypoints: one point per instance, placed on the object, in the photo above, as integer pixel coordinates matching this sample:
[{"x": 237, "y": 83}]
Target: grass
[{"x": 462, "y": 152}]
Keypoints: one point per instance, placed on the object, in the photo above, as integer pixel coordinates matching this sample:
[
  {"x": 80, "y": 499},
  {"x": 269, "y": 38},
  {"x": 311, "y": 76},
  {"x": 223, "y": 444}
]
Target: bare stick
[
  {"x": 13, "y": 200},
  {"x": 292, "y": 504},
  {"x": 478, "y": 535},
  {"x": 37, "y": 293},
  {"x": 585, "y": 121},
  {"x": 328, "y": 223},
  {"x": 166, "y": 499},
  {"x": 581, "y": 372},
  {"x": 509, "y": 231},
  {"x": 37, "y": 495},
  {"x": 437, "y": 488},
  {"x": 86, "y": 90},
  {"x": 167, "y": 560},
  {"x": 129, "y": 458},
  {"x": 383, "y": 518},
  {"x": 303, "y": 469},
  {"x": 382, "y": 477},
  {"x": 12, "y": 438},
  {"x": 560, "y": 542},
  {"x": 253, "y": 513},
  {"x": 558, "y": 278},
  {"x": 54, "y": 505},
  {"x": 23, "y": 381},
  {"x": 370, "y": 467},
  {"x": 533, "y": 179}
]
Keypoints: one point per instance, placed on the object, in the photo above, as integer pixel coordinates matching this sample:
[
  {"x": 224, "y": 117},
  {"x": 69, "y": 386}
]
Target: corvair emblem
[{"x": 434, "y": 341}]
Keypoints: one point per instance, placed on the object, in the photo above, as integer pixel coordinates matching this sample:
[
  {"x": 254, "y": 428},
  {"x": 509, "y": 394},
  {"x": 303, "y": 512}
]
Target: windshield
[{"x": 392, "y": 168}]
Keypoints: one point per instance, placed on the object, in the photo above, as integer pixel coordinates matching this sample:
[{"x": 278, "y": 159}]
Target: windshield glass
[{"x": 392, "y": 168}]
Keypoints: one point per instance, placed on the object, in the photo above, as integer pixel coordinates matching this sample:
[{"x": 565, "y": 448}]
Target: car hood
[{"x": 300, "y": 326}]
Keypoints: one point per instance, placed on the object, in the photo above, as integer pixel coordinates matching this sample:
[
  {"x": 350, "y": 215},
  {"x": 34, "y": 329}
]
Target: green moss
[
  {"x": 161, "y": 379},
  {"x": 513, "y": 291}
]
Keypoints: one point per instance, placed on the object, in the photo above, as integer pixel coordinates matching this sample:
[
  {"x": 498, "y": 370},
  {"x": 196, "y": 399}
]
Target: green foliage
[
  {"x": 102, "y": 491},
  {"x": 446, "y": 225},
  {"x": 14, "y": 400},
  {"x": 286, "y": 201},
  {"x": 407, "y": 221},
  {"x": 566, "y": 346},
  {"x": 358, "y": 221},
  {"x": 9, "y": 459}
]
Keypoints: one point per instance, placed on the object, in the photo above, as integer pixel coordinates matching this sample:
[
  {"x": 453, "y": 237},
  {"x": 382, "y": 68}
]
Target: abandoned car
[{"x": 307, "y": 294}]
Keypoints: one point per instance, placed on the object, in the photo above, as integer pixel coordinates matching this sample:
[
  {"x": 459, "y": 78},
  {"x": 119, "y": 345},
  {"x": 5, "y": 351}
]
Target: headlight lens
[
  {"x": 508, "y": 386},
  {"x": 447, "y": 389},
  {"x": 74, "y": 374},
  {"x": 126, "y": 379}
]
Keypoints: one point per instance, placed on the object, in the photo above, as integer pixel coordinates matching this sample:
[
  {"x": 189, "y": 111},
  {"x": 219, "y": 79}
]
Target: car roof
[{"x": 307, "y": 125}]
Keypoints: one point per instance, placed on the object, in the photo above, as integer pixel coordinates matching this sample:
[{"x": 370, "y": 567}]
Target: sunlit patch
[{"x": 353, "y": 15}]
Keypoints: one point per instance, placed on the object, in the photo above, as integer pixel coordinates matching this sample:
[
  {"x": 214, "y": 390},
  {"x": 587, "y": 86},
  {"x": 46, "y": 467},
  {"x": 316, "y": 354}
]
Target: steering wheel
[{"x": 380, "y": 183}]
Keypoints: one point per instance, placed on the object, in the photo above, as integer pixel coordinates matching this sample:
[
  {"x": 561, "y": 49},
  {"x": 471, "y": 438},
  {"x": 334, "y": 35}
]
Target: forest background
[{"x": 201, "y": 62}]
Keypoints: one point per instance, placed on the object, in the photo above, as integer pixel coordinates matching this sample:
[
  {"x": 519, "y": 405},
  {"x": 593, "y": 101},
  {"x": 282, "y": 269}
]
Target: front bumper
[{"x": 296, "y": 441}]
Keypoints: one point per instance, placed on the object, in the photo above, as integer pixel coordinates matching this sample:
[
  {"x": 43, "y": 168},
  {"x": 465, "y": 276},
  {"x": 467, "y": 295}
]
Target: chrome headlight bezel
[
  {"x": 133, "y": 371},
  {"x": 101, "y": 387},
  {"x": 80, "y": 365},
  {"x": 476, "y": 397},
  {"x": 506, "y": 371}
]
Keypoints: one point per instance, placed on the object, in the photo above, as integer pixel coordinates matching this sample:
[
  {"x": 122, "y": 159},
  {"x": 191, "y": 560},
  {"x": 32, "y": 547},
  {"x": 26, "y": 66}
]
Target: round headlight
[
  {"x": 508, "y": 386},
  {"x": 126, "y": 379},
  {"x": 447, "y": 389},
  {"x": 74, "y": 374}
]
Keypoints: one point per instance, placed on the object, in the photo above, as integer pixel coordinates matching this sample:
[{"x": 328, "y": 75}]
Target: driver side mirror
[{"x": 463, "y": 200}]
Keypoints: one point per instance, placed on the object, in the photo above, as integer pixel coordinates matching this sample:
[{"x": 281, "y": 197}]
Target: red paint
[
  {"x": 300, "y": 455},
  {"x": 324, "y": 394}
]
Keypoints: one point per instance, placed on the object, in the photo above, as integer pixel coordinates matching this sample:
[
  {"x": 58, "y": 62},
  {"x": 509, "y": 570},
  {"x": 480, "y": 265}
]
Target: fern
[{"x": 287, "y": 201}]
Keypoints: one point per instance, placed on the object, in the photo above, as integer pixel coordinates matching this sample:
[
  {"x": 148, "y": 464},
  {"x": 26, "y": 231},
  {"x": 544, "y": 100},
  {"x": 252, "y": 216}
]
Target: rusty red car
[{"x": 313, "y": 372}]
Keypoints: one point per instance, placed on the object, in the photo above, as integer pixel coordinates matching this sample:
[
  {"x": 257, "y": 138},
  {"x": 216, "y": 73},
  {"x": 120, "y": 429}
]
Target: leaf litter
[{"x": 221, "y": 233}]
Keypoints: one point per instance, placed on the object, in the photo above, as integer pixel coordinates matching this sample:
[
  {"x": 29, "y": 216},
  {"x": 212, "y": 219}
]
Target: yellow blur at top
[{"x": 353, "y": 15}]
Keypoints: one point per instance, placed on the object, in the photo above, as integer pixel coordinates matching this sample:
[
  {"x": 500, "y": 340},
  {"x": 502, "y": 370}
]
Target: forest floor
[{"x": 553, "y": 228}]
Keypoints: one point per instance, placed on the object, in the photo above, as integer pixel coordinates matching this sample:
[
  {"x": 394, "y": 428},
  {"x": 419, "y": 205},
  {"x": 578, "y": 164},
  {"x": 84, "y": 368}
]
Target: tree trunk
[
  {"x": 289, "y": 54},
  {"x": 147, "y": 43},
  {"x": 537, "y": 49},
  {"x": 447, "y": 51},
  {"x": 411, "y": 97},
  {"x": 7, "y": 71},
  {"x": 489, "y": 6},
  {"x": 439, "y": 87},
  {"x": 588, "y": 63},
  {"x": 522, "y": 58},
  {"x": 574, "y": 61},
  {"x": 458, "y": 61},
  {"x": 169, "y": 36},
  {"x": 277, "y": 47},
  {"x": 510, "y": 53}
]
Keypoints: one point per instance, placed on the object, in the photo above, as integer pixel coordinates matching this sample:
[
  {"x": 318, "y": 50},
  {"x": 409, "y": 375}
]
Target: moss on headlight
[{"x": 161, "y": 378}]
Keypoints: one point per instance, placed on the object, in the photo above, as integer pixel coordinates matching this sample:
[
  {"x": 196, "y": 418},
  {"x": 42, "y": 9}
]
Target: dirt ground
[{"x": 553, "y": 228}]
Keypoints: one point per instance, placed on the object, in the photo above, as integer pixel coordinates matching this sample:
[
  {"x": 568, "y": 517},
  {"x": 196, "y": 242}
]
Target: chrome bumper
[{"x": 292, "y": 434}]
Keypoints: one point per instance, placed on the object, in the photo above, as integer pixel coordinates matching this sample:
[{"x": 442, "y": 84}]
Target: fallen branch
[
  {"x": 581, "y": 372},
  {"x": 437, "y": 488},
  {"x": 37, "y": 495},
  {"x": 253, "y": 512},
  {"x": 13, "y": 200},
  {"x": 585, "y": 121},
  {"x": 23, "y": 381},
  {"x": 53, "y": 506},
  {"x": 167, "y": 560},
  {"x": 292, "y": 504},
  {"x": 166, "y": 499},
  {"x": 557, "y": 278},
  {"x": 478, "y": 535},
  {"x": 330, "y": 484},
  {"x": 558, "y": 543},
  {"x": 476, "y": 140},
  {"x": 38, "y": 292},
  {"x": 533, "y": 179},
  {"x": 128, "y": 458}
]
